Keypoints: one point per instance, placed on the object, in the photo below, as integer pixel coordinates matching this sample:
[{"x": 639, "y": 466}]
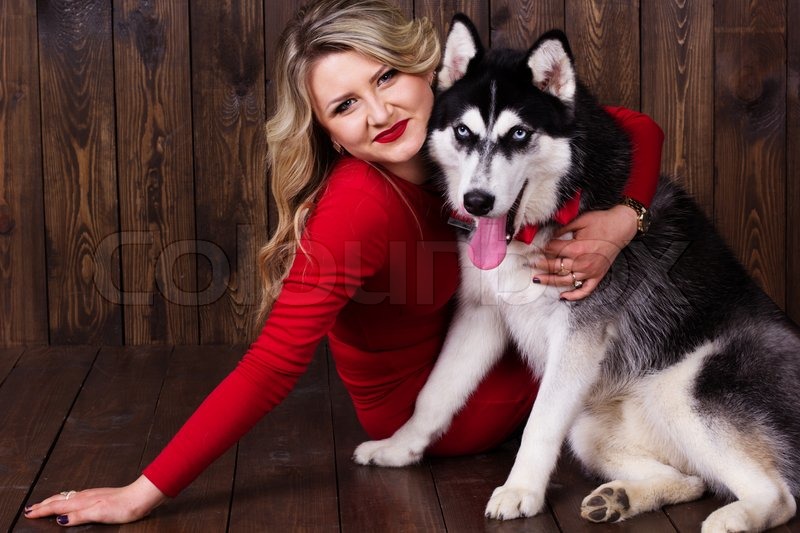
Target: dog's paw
[
  {"x": 386, "y": 452},
  {"x": 607, "y": 503},
  {"x": 727, "y": 519},
  {"x": 507, "y": 503}
]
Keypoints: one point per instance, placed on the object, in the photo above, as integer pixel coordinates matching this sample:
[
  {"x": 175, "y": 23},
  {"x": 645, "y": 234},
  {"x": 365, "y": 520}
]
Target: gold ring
[
  {"x": 576, "y": 282},
  {"x": 561, "y": 270}
]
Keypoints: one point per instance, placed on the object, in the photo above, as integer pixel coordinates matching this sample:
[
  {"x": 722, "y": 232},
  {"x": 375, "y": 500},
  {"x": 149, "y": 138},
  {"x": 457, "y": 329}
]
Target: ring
[
  {"x": 67, "y": 494},
  {"x": 576, "y": 282},
  {"x": 561, "y": 270}
]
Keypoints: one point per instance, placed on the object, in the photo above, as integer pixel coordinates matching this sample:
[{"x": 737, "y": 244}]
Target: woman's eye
[
  {"x": 388, "y": 75},
  {"x": 344, "y": 106},
  {"x": 462, "y": 132},
  {"x": 520, "y": 134}
]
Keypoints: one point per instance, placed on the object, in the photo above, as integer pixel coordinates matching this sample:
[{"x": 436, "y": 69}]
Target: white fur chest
[{"x": 531, "y": 312}]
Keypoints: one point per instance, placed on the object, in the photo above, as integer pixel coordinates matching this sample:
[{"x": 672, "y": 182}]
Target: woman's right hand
[{"x": 107, "y": 505}]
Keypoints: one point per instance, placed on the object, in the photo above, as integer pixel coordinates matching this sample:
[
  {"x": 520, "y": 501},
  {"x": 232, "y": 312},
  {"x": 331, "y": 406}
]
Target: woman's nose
[{"x": 379, "y": 112}]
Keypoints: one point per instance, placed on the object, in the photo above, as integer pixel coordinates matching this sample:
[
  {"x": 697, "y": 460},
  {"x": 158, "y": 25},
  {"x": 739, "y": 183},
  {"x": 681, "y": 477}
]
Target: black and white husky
[{"x": 676, "y": 375}]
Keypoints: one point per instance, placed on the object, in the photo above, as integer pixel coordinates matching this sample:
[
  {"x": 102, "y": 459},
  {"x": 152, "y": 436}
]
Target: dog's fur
[{"x": 676, "y": 375}]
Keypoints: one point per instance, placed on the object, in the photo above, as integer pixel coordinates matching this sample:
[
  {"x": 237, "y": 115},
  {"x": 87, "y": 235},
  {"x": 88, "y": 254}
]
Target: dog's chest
[
  {"x": 532, "y": 312},
  {"x": 509, "y": 284}
]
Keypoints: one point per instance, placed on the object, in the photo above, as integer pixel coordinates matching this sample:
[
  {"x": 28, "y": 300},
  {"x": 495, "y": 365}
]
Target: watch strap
[{"x": 641, "y": 213}]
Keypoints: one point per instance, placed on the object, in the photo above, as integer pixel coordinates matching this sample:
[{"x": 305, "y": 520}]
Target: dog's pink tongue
[{"x": 487, "y": 248}]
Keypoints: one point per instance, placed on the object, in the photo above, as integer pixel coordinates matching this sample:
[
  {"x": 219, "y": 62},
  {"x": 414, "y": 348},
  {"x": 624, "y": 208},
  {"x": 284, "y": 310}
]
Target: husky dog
[{"x": 677, "y": 375}]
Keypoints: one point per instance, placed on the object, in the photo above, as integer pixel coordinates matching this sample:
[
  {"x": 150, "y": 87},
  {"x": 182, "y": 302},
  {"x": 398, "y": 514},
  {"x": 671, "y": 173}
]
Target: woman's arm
[
  {"x": 647, "y": 139},
  {"x": 599, "y": 236}
]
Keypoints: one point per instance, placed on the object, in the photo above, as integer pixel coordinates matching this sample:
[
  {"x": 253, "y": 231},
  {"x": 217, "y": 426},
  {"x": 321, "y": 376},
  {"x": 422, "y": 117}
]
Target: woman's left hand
[{"x": 598, "y": 237}]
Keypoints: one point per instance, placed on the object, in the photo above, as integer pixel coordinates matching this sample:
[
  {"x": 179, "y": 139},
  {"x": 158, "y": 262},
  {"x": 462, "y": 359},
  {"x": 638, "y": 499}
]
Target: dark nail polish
[
  {"x": 62, "y": 520},
  {"x": 28, "y": 509},
  {"x": 537, "y": 280}
]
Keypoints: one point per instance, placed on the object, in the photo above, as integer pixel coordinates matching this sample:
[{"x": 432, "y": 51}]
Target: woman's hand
[
  {"x": 598, "y": 237},
  {"x": 108, "y": 505}
]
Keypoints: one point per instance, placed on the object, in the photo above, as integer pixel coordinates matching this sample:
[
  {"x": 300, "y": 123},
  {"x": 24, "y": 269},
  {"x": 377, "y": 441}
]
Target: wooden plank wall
[{"x": 133, "y": 195}]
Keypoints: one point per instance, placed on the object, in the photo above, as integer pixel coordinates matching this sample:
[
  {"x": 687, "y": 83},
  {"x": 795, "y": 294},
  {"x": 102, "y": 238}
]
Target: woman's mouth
[{"x": 393, "y": 133}]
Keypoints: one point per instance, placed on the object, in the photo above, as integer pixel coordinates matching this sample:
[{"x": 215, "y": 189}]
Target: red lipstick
[{"x": 393, "y": 133}]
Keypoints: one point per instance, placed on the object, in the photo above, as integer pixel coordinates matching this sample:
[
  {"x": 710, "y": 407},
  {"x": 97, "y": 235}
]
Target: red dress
[{"x": 377, "y": 277}]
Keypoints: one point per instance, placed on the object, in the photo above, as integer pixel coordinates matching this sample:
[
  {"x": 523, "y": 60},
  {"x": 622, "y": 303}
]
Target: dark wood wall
[{"x": 133, "y": 195}]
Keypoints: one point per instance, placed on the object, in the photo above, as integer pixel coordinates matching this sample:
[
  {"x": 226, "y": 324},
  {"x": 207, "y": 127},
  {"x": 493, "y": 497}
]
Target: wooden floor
[{"x": 75, "y": 417}]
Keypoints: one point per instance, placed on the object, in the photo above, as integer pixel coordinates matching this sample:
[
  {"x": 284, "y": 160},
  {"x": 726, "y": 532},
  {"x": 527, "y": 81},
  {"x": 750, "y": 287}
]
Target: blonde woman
[{"x": 362, "y": 253}]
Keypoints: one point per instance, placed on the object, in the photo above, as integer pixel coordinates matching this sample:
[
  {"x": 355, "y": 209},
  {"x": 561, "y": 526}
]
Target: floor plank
[
  {"x": 36, "y": 401},
  {"x": 286, "y": 467},
  {"x": 8, "y": 358},
  {"x": 464, "y": 485},
  {"x": 103, "y": 438},
  {"x": 105, "y": 413},
  {"x": 373, "y": 498},
  {"x": 193, "y": 373}
]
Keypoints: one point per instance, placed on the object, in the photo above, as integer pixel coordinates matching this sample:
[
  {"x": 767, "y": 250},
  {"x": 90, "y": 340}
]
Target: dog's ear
[
  {"x": 463, "y": 44},
  {"x": 551, "y": 62}
]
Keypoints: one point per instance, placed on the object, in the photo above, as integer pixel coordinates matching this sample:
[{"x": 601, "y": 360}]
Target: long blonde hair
[{"x": 300, "y": 154}]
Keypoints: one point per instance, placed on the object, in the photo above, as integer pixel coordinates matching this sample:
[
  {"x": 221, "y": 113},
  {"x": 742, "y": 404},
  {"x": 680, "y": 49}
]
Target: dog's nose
[{"x": 478, "y": 203}]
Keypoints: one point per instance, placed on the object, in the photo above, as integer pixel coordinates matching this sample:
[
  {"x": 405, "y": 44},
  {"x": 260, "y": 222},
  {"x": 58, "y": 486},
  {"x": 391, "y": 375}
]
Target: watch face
[{"x": 644, "y": 222}]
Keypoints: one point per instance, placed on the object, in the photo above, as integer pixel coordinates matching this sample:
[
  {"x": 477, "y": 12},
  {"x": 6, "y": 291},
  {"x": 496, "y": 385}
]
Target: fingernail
[
  {"x": 28, "y": 509},
  {"x": 537, "y": 280},
  {"x": 62, "y": 520}
]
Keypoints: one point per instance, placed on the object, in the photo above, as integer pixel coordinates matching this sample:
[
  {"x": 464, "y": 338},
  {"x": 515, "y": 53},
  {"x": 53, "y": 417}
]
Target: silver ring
[
  {"x": 576, "y": 282},
  {"x": 561, "y": 270},
  {"x": 67, "y": 494}
]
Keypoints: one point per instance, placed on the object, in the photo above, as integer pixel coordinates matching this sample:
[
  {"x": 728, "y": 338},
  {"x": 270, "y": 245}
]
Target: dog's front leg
[
  {"x": 572, "y": 367},
  {"x": 475, "y": 342}
]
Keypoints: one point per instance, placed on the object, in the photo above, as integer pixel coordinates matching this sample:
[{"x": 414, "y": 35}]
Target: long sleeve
[
  {"x": 647, "y": 139},
  {"x": 345, "y": 243}
]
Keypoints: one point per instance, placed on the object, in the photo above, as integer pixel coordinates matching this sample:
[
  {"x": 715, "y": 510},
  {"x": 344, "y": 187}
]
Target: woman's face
[{"x": 373, "y": 111}]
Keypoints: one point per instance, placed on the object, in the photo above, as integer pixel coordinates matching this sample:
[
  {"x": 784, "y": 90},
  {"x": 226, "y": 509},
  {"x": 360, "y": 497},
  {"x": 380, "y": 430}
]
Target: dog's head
[{"x": 500, "y": 129}]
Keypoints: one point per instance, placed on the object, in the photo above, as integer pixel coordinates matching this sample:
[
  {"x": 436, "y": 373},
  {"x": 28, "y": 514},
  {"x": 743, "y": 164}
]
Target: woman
[{"x": 362, "y": 253}]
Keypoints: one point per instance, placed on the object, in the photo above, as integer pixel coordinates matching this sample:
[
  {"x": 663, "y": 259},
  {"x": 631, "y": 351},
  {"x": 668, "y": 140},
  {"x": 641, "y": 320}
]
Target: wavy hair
[{"x": 300, "y": 154}]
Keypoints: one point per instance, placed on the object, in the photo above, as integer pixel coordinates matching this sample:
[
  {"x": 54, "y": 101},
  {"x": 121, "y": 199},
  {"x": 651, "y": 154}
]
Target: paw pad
[{"x": 607, "y": 504}]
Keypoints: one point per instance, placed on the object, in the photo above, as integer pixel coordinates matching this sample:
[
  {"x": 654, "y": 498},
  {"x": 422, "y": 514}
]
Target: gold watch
[{"x": 642, "y": 215}]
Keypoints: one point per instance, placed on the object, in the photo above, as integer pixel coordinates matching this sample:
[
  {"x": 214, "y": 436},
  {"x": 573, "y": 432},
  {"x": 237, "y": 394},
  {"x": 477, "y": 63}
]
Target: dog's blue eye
[
  {"x": 520, "y": 134},
  {"x": 462, "y": 132}
]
